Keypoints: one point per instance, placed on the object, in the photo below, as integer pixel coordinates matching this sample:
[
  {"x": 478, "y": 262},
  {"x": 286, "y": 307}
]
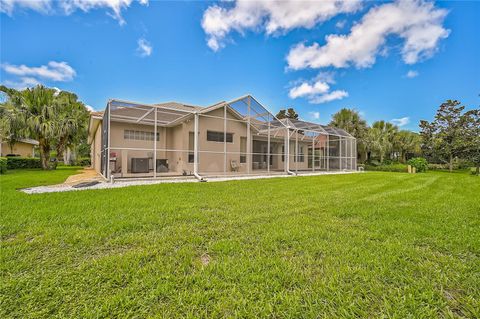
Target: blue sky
[{"x": 204, "y": 52}]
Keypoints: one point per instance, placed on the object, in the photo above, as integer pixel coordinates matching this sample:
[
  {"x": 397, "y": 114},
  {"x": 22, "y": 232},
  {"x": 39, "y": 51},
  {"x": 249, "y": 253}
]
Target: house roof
[
  {"x": 179, "y": 106},
  {"x": 27, "y": 141}
]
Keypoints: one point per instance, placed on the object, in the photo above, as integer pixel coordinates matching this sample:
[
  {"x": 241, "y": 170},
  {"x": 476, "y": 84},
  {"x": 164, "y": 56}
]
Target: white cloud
[
  {"x": 314, "y": 115},
  {"x": 401, "y": 121},
  {"x": 8, "y": 6},
  {"x": 22, "y": 83},
  {"x": 341, "y": 24},
  {"x": 69, "y": 6},
  {"x": 412, "y": 74},
  {"x": 270, "y": 17},
  {"x": 144, "y": 48},
  {"x": 89, "y": 108},
  {"x": 418, "y": 23},
  {"x": 307, "y": 89},
  {"x": 53, "y": 71},
  {"x": 317, "y": 90},
  {"x": 324, "y": 98}
]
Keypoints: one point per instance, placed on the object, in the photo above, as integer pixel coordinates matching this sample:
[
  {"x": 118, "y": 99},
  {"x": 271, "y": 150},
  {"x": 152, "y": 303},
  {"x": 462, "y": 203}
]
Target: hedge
[
  {"x": 83, "y": 161},
  {"x": 23, "y": 162},
  {"x": 387, "y": 168},
  {"x": 3, "y": 165}
]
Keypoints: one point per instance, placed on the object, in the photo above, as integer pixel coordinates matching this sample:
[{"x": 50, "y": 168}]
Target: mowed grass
[{"x": 375, "y": 245}]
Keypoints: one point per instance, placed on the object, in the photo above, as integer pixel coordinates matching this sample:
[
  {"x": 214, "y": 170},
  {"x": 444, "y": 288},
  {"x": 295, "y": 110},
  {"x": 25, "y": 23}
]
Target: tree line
[
  {"x": 453, "y": 134},
  {"x": 56, "y": 119}
]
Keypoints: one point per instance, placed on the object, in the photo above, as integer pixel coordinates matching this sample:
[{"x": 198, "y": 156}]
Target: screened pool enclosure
[{"x": 235, "y": 138}]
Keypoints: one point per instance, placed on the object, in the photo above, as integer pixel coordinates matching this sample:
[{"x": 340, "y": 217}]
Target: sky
[{"x": 395, "y": 60}]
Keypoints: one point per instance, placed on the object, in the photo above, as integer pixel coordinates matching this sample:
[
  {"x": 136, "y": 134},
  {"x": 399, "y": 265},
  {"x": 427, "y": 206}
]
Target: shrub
[
  {"x": 3, "y": 165},
  {"x": 83, "y": 161},
  {"x": 420, "y": 164},
  {"x": 23, "y": 162},
  {"x": 402, "y": 168},
  {"x": 437, "y": 167}
]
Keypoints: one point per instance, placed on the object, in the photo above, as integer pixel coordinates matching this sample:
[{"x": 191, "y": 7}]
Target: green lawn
[{"x": 372, "y": 245}]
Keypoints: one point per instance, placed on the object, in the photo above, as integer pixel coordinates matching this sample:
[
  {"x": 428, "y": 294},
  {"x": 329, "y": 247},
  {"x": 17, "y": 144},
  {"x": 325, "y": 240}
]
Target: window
[
  {"x": 243, "y": 149},
  {"x": 139, "y": 135},
  {"x": 283, "y": 153},
  {"x": 301, "y": 155},
  {"x": 191, "y": 141},
  {"x": 213, "y": 136}
]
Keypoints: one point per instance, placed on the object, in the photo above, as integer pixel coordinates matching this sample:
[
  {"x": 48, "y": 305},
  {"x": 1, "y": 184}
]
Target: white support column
[
  {"x": 287, "y": 150},
  {"x": 296, "y": 151},
  {"x": 224, "y": 140},
  {"x": 351, "y": 154},
  {"x": 268, "y": 146},
  {"x": 155, "y": 130},
  {"x": 328, "y": 153},
  {"x": 354, "y": 143},
  {"x": 249, "y": 137},
  {"x": 107, "y": 155},
  {"x": 340, "y": 150},
  {"x": 313, "y": 154},
  {"x": 195, "y": 145}
]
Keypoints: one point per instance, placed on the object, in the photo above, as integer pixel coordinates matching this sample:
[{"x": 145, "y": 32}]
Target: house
[
  {"x": 240, "y": 137},
  {"x": 24, "y": 147}
]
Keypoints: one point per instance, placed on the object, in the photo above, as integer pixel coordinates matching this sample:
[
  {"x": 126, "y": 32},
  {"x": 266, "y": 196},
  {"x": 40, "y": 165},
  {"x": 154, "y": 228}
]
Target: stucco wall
[
  {"x": 19, "y": 148},
  {"x": 173, "y": 145}
]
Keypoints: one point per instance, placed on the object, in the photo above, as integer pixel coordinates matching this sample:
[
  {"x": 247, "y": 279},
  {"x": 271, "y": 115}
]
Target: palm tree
[
  {"x": 407, "y": 142},
  {"x": 72, "y": 121},
  {"x": 36, "y": 108},
  {"x": 351, "y": 121},
  {"x": 387, "y": 131},
  {"x": 376, "y": 141},
  {"x": 11, "y": 125}
]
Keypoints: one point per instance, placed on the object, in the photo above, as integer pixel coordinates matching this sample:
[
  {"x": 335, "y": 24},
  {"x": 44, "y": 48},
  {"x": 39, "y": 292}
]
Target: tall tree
[
  {"x": 351, "y": 121},
  {"x": 471, "y": 144},
  {"x": 36, "y": 107},
  {"x": 72, "y": 121},
  {"x": 443, "y": 138},
  {"x": 377, "y": 141},
  {"x": 406, "y": 142},
  {"x": 12, "y": 128},
  {"x": 386, "y": 133},
  {"x": 287, "y": 114}
]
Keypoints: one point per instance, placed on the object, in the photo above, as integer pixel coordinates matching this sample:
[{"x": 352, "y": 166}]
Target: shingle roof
[{"x": 179, "y": 106}]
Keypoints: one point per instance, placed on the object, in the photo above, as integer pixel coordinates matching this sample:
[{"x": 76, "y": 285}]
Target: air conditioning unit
[
  {"x": 140, "y": 165},
  {"x": 162, "y": 165}
]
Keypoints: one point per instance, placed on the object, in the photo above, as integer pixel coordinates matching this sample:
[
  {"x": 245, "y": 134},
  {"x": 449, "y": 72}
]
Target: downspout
[{"x": 195, "y": 150}]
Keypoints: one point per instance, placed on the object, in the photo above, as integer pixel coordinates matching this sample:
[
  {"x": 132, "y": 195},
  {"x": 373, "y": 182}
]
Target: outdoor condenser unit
[
  {"x": 162, "y": 165},
  {"x": 140, "y": 165}
]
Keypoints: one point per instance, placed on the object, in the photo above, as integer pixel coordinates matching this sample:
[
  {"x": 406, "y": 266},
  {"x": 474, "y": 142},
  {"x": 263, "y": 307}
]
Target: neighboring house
[
  {"x": 237, "y": 137},
  {"x": 24, "y": 147}
]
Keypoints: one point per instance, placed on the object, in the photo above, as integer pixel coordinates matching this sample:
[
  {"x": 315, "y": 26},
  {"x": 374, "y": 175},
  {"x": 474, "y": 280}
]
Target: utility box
[{"x": 140, "y": 165}]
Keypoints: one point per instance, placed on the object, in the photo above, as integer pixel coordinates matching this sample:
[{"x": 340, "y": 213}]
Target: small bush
[
  {"x": 23, "y": 162},
  {"x": 3, "y": 165},
  {"x": 401, "y": 168},
  {"x": 82, "y": 161},
  {"x": 420, "y": 164}
]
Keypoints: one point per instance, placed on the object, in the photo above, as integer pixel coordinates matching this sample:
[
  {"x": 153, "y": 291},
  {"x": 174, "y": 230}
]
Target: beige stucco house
[
  {"x": 24, "y": 147},
  {"x": 228, "y": 138}
]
